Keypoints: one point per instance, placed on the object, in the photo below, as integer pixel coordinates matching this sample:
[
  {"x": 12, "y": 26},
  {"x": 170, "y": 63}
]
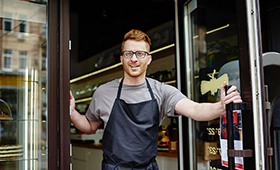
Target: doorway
[{"x": 96, "y": 33}]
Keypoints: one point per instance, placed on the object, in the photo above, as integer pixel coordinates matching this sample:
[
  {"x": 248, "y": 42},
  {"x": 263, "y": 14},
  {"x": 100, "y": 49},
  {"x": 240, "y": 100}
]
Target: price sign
[{"x": 238, "y": 145}]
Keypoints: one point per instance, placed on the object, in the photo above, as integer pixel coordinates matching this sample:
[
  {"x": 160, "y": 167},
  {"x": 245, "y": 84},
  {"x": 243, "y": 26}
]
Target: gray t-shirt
[{"x": 104, "y": 97}]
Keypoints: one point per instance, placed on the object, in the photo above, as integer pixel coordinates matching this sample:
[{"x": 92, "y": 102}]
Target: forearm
[
  {"x": 81, "y": 122},
  {"x": 200, "y": 111},
  {"x": 208, "y": 111}
]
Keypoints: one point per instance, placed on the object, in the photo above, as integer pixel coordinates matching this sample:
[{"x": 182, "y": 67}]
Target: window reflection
[
  {"x": 23, "y": 82},
  {"x": 214, "y": 44}
]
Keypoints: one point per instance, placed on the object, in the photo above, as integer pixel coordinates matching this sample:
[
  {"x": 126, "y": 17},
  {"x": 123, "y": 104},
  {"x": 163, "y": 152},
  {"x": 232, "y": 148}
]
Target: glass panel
[
  {"x": 23, "y": 80},
  {"x": 214, "y": 51}
]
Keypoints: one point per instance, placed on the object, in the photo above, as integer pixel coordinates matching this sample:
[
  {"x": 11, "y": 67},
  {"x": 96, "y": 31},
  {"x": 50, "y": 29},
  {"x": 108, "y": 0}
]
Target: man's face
[{"x": 135, "y": 67}]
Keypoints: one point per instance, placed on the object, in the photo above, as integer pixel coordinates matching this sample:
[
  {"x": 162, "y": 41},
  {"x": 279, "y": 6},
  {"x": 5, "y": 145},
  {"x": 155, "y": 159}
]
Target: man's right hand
[
  {"x": 80, "y": 121},
  {"x": 72, "y": 102}
]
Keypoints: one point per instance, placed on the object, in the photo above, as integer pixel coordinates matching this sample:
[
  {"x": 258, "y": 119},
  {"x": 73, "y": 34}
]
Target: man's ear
[
  {"x": 121, "y": 59},
  {"x": 150, "y": 60}
]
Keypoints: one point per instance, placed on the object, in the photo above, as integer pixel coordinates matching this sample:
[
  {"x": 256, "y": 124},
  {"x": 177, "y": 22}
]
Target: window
[
  {"x": 44, "y": 30},
  {"x": 22, "y": 60},
  {"x": 44, "y": 61},
  {"x": 8, "y": 24},
  {"x": 22, "y": 26},
  {"x": 23, "y": 85},
  {"x": 7, "y": 60}
]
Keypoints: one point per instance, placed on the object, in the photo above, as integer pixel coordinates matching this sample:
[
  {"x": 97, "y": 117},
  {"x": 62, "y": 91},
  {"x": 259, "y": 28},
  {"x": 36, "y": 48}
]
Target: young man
[{"x": 133, "y": 107}]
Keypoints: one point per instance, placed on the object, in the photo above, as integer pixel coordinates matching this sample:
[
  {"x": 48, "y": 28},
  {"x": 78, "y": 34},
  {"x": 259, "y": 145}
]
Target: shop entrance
[{"x": 96, "y": 33}]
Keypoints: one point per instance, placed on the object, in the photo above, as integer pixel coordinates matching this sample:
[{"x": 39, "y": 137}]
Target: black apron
[{"x": 131, "y": 135}]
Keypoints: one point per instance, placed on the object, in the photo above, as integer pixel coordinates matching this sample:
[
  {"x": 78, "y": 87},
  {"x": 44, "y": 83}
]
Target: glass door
[
  {"x": 222, "y": 42},
  {"x": 212, "y": 54},
  {"x": 215, "y": 60},
  {"x": 23, "y": 85}
]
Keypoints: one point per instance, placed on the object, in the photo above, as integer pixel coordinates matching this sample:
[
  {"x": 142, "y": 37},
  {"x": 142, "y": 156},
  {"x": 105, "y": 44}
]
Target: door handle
[{"x": 230, "y": 132}]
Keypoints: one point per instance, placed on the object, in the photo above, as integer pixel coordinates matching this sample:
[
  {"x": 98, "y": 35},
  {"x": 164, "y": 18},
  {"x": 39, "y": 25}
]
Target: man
[{"x": 133, "y": 107}]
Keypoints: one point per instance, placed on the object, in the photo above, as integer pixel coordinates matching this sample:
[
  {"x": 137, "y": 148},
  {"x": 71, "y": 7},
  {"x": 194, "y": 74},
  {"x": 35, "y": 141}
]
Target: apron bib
[{"x": 131, "y": 135}]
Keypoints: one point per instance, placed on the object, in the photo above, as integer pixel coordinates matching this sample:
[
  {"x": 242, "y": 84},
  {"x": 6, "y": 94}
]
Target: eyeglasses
[{"x": 139, "y": 54}]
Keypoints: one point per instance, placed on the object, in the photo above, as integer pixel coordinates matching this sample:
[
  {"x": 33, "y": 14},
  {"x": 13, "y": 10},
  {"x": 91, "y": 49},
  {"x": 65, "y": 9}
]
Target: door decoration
[{"x": 214, "y": 84}]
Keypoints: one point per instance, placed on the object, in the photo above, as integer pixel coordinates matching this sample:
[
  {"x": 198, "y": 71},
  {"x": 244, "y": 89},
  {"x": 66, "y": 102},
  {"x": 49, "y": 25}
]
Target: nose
[{"x": 134, "y": 58}]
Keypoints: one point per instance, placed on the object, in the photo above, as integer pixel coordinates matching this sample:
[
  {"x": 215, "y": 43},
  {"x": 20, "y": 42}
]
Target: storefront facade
[{"x": 45, "y": 44}]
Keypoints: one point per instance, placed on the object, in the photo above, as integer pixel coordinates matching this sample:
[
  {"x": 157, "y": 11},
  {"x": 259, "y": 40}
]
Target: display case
[
  {"x": 23, "y": 124},
  {"x": 23, "y": 79}
]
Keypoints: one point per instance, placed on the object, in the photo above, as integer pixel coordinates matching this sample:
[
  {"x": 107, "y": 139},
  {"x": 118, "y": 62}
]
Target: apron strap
[
  {"x": 150, "y": 89},
  {"x": 119, "y": 90}
]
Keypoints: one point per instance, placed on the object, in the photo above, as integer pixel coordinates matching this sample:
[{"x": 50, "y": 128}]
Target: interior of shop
[{"x": 96, "y": 33}]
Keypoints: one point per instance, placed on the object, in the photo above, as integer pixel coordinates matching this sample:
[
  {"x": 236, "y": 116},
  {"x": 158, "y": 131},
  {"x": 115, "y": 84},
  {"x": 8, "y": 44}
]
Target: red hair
[{"x": 137, "y": 35}]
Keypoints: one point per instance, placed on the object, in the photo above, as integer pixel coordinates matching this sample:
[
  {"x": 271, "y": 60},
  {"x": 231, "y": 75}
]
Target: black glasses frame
[{"x": 135, "y": 54}]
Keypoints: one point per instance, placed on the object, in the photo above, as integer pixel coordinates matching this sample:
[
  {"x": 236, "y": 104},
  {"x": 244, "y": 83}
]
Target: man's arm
[
  {"x": 80, "y": 121},
  {"x": 208, "y": 111}
]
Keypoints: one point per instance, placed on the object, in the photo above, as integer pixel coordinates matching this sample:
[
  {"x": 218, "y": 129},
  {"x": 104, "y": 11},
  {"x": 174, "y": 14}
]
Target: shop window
[
  {"x": 23, "y": 86},
  {"x": 22, "y": 60},
  {"x": 7, "y": 60}
]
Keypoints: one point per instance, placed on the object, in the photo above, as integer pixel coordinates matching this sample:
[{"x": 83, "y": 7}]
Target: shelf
[
  {"x": 95, "y": 72},
  {"x": 168, "y": 154},
  {"x": 92, "y": 146},
  {"x": 18, "y": 120},
  {"x": 6, "y": 118},
  {"x": 17, "y": 159},
  {"x": 83, "y": 100}
]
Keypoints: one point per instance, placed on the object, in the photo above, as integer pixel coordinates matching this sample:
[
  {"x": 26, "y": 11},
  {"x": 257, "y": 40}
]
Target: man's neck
[{"x": 133, "y": 80}]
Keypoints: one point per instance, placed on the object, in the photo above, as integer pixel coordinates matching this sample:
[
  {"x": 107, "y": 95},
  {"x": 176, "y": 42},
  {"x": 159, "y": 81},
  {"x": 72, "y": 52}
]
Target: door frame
[{"x": 58, "y": 85}]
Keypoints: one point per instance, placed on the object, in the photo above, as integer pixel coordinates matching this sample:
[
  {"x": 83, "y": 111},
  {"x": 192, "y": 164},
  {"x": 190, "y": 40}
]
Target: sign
[{"x": 238, "y": 144}]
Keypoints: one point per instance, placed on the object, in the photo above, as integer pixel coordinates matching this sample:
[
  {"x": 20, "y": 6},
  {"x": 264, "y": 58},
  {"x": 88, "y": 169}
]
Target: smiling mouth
[{"x": 134, "y": 66}]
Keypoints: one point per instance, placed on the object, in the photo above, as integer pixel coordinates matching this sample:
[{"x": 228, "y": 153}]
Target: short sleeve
[
  {"x": 102, "y": 102},
  {"x": 171, "y": 96},
  {"x": 93, "y": 113}
]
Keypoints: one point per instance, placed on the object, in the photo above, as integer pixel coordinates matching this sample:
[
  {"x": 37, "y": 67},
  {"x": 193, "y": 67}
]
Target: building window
[
  {"x": 44, "y": 30},
  {"x": 22, "y": 60},
  {"x": 22, "y": 26},
  {"x": 7, "y": 60},
  {"x": 8, "y": 24},
  {"x": 44, "y": 61}
]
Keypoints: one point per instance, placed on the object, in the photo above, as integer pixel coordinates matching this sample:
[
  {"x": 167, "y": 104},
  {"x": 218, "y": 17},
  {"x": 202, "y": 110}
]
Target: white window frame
[
  {"x": 25, "y": 23},
  {"x": 22, "y": 57},
  {"x": 4, "y": 26},
  {"x": 9, "y": 56}
]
